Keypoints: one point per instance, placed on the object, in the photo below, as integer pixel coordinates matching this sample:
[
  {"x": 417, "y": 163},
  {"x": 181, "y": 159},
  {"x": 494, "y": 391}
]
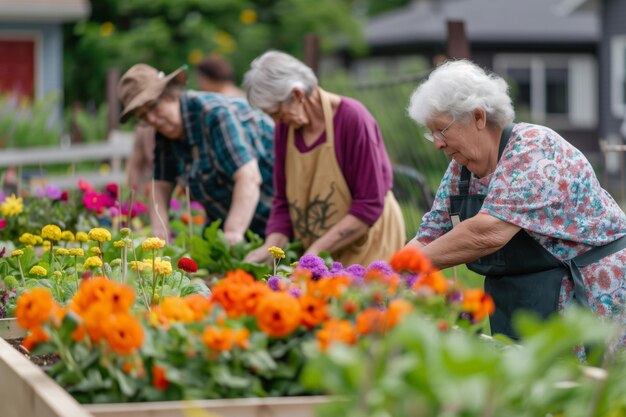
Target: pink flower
[
  {"x": 3, "y": 224},
  {"x": 112, "y": 189},
  {"x": 97, "y": 202},
  {"x": 138, "y": 209},
  {"x": 175, "y": 204},
  {"x": 85, "y": 186}
]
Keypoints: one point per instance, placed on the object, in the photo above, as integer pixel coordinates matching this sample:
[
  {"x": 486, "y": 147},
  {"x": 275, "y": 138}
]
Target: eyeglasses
[
  {"x": 439, "y": 135},
  {"x": 142, "y": 113}
]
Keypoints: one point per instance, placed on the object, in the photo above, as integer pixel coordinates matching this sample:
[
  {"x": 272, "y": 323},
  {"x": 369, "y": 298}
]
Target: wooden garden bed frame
[{"x": 26, "y": 391}]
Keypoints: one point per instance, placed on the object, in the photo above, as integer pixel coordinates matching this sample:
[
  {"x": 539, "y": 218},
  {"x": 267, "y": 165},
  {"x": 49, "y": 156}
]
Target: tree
[{"x": 168, "y": 34}]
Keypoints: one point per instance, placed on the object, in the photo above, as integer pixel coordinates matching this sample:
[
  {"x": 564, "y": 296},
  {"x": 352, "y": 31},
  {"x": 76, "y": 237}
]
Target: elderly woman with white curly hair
[
  {"x": 332, "y": 175},
  {"x": 518, "y": 203}
]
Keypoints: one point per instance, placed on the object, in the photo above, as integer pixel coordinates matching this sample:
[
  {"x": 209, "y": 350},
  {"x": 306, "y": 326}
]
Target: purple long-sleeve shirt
[{"x": 362, "y": 157}]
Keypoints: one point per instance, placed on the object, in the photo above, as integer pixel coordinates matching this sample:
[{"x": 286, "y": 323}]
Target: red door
[{"x": 17, "y": 67}]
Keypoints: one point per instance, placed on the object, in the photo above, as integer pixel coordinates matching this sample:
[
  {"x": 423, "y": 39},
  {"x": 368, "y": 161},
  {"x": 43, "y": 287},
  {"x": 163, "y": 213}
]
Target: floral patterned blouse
[{"x": 547, "y": 187}]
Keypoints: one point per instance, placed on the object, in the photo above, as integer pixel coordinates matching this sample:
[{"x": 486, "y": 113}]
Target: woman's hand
[{"x": 259, "y": 255}]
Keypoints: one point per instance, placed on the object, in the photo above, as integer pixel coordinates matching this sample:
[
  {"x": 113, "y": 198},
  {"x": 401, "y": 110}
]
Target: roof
[
  {"x": 43, "y": 10},
  {"x": 487, "y": 21}
]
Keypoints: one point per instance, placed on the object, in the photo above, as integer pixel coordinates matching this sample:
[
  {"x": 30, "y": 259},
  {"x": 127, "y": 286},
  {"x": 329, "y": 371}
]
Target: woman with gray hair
[
  {"x": 518, "y": 203},
  {"x": 332, "y": 175}
]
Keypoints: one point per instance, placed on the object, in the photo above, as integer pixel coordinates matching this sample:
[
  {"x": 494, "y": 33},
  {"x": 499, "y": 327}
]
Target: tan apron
[{"x": 319, "y": 198}]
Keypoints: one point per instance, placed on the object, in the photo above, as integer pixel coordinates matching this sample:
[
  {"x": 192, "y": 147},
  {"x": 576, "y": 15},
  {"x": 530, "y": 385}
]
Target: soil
[{"x": 43, "y": 361}]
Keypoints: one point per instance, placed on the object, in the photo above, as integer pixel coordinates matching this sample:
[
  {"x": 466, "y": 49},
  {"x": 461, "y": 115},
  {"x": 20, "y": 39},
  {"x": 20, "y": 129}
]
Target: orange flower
[
  {"x": 329, "y": 287},
  {"x": 278, "y": 314},
  {"x": 231, "y": 296},
  {"x": 410, "y": 259},
  {"x": 36, "y": 335},
  {"x": 198, "y": 219},
  {"x": 176, "y": 309},
  {"x": 122, "y": 298},
  {"x": 159, "y": 378},
  {"x": 253, "y": 294},
  {"x": 123, "y": 333},
  {"x": 314, "y": 310},
  {"x": 220, "y": 340},
  {"x": 370, "y": 320},
  {"x": 434, "y": 280},
  {"x": 239, "y": 276},
  {"x": 34, "y": 308},
  {"x": 95, "y": 321},
  {"x": 90, "y": 292},
  {"x": 478, "y": 303},
  {"x": 185, "y": 218},
  {"x": 199, "y": 305},
  {"x": 335, "y": 331},
  {"x": 397, "y": 310}
]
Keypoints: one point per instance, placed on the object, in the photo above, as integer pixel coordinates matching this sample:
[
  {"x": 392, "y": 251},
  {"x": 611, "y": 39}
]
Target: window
[{"x": 553, "y": 88}]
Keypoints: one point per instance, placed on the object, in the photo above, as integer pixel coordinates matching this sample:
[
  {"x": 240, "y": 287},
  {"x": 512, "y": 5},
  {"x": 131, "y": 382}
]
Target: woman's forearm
[{"x": 342, "y": 234}]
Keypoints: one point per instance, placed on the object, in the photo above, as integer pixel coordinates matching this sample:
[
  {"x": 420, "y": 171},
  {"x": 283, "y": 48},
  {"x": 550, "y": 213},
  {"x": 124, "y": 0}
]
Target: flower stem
[{"x": 19, "y": 263}]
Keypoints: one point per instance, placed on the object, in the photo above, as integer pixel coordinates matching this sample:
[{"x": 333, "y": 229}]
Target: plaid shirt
[{"x": 221, "y": 134}]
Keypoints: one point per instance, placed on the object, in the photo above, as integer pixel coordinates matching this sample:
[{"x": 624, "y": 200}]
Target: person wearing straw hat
[
  {"x": 518, "y": 203},
  {"x": 218, "y": 146},
  {"x": 332, "y": 173}
]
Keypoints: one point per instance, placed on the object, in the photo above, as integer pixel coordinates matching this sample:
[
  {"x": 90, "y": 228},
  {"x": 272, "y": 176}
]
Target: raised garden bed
[
  {"x": 9, "y": 329},
  {"x": 26, "y": 391}
]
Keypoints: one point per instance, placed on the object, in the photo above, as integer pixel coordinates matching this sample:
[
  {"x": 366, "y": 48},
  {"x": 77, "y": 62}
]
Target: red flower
[
  {"x": 85, "y": 186},
  {"x": 187, "y": 265},
  {"x": 112, "y": 189},
  {"x": 159, "y": 378},
  {"x": 64, "y": 196},
  {"x": 3, "y": 224}
]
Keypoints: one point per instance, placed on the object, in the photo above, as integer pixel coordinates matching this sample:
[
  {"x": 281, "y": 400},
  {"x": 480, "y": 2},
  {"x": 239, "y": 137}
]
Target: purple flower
[
  {"x": 114, "y": 211},
  {"x": 337, "y": 268},
  {"x": 274, "y": 283},
  {"x": 410, "y": 279},
  {"x": 196, "y": 206},
  {"x": 315, "y": 264},
  {"x": 381, "y": 266},
  {"x": 175, "y": 204},
  {"x": 2, "y": 196},
  {"x": 357, "y": 271},
  {"x": 454, "y": 297},
  {"x": 53, "y": 192},
  {"x": 295, "y": 292}
]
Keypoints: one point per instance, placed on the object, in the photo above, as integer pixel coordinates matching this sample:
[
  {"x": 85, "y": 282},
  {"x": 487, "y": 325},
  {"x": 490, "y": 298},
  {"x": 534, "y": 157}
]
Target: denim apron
[{"x": 523, "y": 275}]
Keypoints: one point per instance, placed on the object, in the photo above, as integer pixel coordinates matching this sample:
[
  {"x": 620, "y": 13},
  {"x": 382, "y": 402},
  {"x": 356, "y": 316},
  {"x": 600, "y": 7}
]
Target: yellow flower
[
  {"x": 28, "y": 239},
  {"x": 93, "y": 262},
  {"x": 38, "y": 270},
  {"x": 194, "y": 57},
  {"x": 57, "y": 274},
  {"x": 17, "y": 252},
  {"x": 38, "y": 240},
  {"x": 248, "y": 17},
  {"x": 51, "y": 231},
  {"x": 152, "y": 243},
  {"x": 162, "y": 267},
  {"x": 46, "y": 245},
  {"x": 63, "y": 252},
  {"x": 99, "y": 234},
  {"x": 107, "y": 29},
  {"x": 119, "y": 244},
  {"x": 116, "y": 262},
  {"x": 12, "y": 206},
  {"x": 136, "y": 265},
  {"x": 76, "y": 252},
  {"x": 82, "y": 237},
  {"x": 67, "y": 236},
  {"x": 125, "y": 231},
  {"x": 276, "y": 252},
  {"x": 225, "y": 42},
  {"x": 95, "y": 250}
]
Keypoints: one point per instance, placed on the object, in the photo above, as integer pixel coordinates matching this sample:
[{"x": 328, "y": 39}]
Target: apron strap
[
  {"x": 464, "y": 182},
  {"x": 591, "y": 256},
  {"x": 328, "y": 118}
]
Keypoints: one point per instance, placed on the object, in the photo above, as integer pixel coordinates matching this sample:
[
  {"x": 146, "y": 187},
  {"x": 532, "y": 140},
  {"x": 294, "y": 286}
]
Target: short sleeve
[
  {"x": 528, "y": 185},
  {"x": 436, "y": 222}
]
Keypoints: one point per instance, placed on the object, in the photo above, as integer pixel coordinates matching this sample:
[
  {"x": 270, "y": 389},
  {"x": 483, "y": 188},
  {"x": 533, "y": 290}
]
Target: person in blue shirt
[{"x": 218, "y": 146}]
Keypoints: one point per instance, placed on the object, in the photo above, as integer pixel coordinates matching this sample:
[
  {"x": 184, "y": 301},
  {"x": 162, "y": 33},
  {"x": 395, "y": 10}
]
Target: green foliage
[
  {"x": 168, "y": 34},
  {"x": 418, "y": 370},
  {"x": 24, "y": 125}
]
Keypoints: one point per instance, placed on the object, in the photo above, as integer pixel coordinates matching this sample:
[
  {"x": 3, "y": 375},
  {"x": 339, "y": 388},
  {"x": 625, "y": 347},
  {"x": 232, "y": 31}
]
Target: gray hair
[
  {"x": 458, "y": 88},
  {"x": 273, "y": 76}
]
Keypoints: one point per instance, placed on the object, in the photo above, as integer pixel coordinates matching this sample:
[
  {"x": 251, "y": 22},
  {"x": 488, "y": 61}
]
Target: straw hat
[{"x": 142, "y": 84}]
